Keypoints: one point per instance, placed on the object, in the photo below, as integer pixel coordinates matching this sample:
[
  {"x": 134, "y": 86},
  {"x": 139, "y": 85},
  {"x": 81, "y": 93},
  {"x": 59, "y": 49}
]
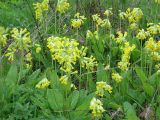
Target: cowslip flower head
[{"x": 97, "y": 107}]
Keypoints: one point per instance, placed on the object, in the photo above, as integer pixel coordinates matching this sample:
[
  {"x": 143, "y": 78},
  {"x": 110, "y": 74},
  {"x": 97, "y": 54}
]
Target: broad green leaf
[
  {"x": 130, "y": 113},
  {"x": 74, "y": 100},
  {"x": 12, "y": 76},
  {"x": 55, "y": 99},
  {"x": 141, "y": 75},
  {"x": 148, "y": 89},
  {"x": 32, "y": 78}
]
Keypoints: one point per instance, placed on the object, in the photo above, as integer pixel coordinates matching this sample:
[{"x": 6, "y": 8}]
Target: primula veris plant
[{"x": 79, "y": 60}]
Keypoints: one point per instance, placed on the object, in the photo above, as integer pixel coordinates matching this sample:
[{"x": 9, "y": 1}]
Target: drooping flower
[
  {"x": 62, "y": 6},
  {"x": 97, "y": 107},
  {"x": 117, "y": 77},
  {"x": 78, "y": 21},
  {"x": 142, "y": 35},
  {"x": 124, "y": 63},
  {"x": 101, "y": 87},
  {"x": 40, "y": 8},
  {"x": 44, "y": 83},
  {"x": 21, "y": 43}
]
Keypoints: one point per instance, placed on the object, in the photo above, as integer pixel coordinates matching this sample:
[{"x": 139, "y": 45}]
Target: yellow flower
[
  {"x": 121, "y": 37},
  {"x": 134, "y": 15},
  {"x": 97, "y": 107},
  {"x": 28, "y": 60},
  {"x": 101, "y": 87},
  {"x": 153, "y": 28},
  {"x": 100, "y": 22},
  {"x": 124, "y": 63},
  {"x": 142, "y": 35},
  {"x": 21, "y": 42},
  {"x": 88, "y": 62},
  {"x": 78, "y": 21},
  {"x": 133, "y": 26},
  {"x": 151, "y": 45},
  {"x": 108, "y": 12},
  {"x": 44, "y": 83},
  {"x": 117, "y": 77},
  {"x": 65, "y": 51},
  {"x": 62, "y": 6},
  {"x": 38, "y": 48},
  {"x": 122, "y": 15},
  {"x": 40, "y": 8},
  {"x": 64, "y": 79}
]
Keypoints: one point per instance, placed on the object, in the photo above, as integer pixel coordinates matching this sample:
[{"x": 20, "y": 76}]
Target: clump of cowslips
[
  {"x": 78, "y": 21},
  {"x": 65, "y": 51},
  {"x": 101, "y": 87},
  {"x": 40, "y": 8},
  {"x": 124, "y": 63},
  {"x": 62, "y": 6},
  {"x": 21, "y": 43},
  {"x": 133, "y": 16},
  {"x": 97, "y": 107}
]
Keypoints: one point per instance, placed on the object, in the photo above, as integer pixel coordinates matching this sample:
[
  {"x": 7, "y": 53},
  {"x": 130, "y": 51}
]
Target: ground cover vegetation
[{"x": 80, "y": 59}]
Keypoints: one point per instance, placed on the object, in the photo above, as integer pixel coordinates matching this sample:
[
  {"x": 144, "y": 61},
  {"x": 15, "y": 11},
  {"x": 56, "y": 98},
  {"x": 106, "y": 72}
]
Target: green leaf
[
  {"x": 141, "y": 75},
  {"x": 148, "y": 89},
  {"x": 55, "y": 99},
  {"x": 130, "y": 113},
  {"x": 12, "y": 76},
  {"x": 146, "y": 86},
  {"x": 74, "y": 99},
  {"x": 32, "y": 78}
]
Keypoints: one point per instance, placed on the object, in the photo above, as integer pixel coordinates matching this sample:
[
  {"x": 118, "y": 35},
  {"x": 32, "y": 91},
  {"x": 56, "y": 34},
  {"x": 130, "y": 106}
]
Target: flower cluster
[
  {"x": 28, "y": 60},
  {"x": 117, "y": 77},
  {"x": 142, "y": 35},
  {"x": 88, "y": 62},
  {"x": 121, "y": 38},
  {"x": 65, "y": 51},
  {"x": 97, "y": 107},
  {"x": 100, "y": 22},
  {"x": 133, "y": 16},
  {"x": 101, "y": 87},
  {"x": 78, "y": 21},
  {"x": 3, "y": 36},
  {"x": 108, "y": 12},
  {"x": 40, "y": 8},
  {"x": 153, "y": 29},
  {"x": 124, "y": 63},
  {"x": 44, "y": 83},
  {"x": 21, "y": 43},
  {"x": 153, "y": 47},
  {"x": 64, "y": 79},
  {"x": 62, "y": 6}
]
